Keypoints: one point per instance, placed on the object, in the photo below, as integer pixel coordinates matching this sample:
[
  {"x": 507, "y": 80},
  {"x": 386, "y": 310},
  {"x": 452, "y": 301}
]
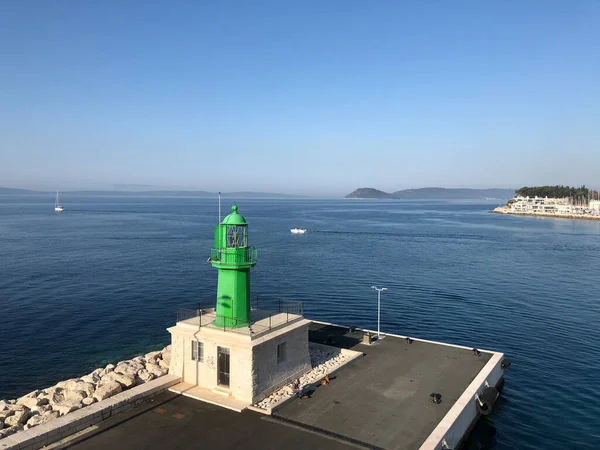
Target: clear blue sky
[{"x": 316, "y": 97}]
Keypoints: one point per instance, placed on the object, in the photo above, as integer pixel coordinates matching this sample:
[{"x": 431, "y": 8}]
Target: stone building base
[{"x": 257, "y": 363}]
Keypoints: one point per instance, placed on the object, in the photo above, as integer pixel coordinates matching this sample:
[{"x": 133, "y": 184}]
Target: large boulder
[
  {"x": 156, "y": 370},
  {"x": 66, "y": 406},
  {"x": 125, "y": 380},
  {"x": 3, "y": 405},
  {"x": 18, "y": 418},
  {"x": 26, "y": 399},
  {"x": 74, "y": 396},
  {"x": 152, "y": 357},
  {"x": 129, "y": 368},
  {"x": 6, "y": 413},
  {"x": 31, "y": 402},
  {"x": 77, "y": 385},
  {"x": 42, "y": 418},
  {"x": 143, "y": 376},
  {"x": 15, "y": 407},
  {"x": 42, "y": 409},
  {"x": 90, "y": 379},
  {"x": 163, "y": 364},
  {"x": 59, "y": 395},
  {"x": 106, "y": 390},
  {"x": 62, "y": 384},
  {"x": 88, "y": 401},
  {"x": 109, "y": 368},
  {"x": 46, "y": 393},
  {"x": 139, "y": 360},
  {"x": 93, "y": 377}
]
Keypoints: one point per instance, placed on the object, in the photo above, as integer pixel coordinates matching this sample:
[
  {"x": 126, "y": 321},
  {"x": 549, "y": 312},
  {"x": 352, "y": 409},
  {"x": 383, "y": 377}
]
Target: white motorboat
[
  {"x": 298, "y": 230},
  {"x": 57, "y": 206}
]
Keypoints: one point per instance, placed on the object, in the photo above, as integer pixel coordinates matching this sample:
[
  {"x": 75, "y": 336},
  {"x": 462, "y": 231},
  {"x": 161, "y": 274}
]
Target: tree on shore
[{"x": 554, "y": 191}]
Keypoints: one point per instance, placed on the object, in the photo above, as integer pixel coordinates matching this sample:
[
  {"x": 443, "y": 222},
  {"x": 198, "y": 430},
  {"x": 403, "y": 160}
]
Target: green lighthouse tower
[
  {"x": 221, "y": 351},
  {"x": 233, "y": 259}
]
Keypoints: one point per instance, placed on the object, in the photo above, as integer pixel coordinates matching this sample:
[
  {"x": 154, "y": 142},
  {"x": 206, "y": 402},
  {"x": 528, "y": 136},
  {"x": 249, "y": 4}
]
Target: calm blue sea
[{"x": 101, "y": 281}]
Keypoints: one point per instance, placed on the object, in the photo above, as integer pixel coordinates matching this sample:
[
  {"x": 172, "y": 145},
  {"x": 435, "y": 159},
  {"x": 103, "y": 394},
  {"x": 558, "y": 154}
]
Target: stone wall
[
  {"x": 254, "y": 368},
  {"x": 324, "y": 360},
  {"x": 268, "y": 373},
  {"x": 42, "y": 406}
]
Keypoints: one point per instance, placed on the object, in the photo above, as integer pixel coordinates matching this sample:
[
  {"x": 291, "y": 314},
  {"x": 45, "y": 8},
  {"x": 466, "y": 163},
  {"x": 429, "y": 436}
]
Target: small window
[
  {"x": 281, "y": 352},
  {"x": 197, "y": 351},
  {"x": 237, "y": 236}
]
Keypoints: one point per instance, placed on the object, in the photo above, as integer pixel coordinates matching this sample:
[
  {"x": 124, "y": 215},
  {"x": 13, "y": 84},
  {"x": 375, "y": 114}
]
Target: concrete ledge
[
  {"x": 457, "y": 422},
  {"x": 83, "y": 418}
]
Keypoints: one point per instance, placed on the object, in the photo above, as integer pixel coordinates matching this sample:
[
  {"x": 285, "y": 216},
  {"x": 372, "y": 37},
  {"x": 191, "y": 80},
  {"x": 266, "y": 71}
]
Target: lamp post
[
  {"x": 219, "y": 207},
  {"x": 378, "y": 306}
]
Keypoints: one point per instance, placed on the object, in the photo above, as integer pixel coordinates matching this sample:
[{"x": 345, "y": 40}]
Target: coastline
[
  {"x": 77, "y": 395},
  {"x": 505, "y": 210}
]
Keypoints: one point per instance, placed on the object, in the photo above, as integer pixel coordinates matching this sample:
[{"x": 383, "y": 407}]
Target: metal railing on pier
[
  {"x": 277, "y": 304},
  {"x": 266, "y": 314}
]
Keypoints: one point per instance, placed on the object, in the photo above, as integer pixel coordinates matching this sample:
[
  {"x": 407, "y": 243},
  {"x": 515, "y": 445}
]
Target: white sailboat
[{"x": 57, "y": 206}]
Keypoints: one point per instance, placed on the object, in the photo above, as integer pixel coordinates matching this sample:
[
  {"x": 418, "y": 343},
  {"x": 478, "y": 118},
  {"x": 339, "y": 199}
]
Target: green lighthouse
[{"x": 233, "y": 259}]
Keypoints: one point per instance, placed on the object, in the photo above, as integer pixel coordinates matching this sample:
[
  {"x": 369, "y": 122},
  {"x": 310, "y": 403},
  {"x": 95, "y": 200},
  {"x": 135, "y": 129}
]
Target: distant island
[
  {"x": 11, "y": 191},
  {"x": 152, "y": 193},
  {"x": 554, "y": 201},
  {"x": 433, "y": 193}
]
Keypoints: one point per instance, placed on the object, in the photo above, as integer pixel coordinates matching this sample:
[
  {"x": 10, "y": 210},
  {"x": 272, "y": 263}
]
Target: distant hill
[
  {"x": 11, "y": 191},
  {"x": 433, "y": 193},
  {"x": 245, "y": 194},
  {"x": 368, "y": 193},
  {"x": 185, "y": 194},
  {"x": 154, "y": 193},
  {"x": 144, "y": 193}
]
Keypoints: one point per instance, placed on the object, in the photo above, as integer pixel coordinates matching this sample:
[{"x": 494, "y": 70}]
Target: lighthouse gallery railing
[
  {"x": 244, "y": 255},
  {"x": 272, "y": 313}
]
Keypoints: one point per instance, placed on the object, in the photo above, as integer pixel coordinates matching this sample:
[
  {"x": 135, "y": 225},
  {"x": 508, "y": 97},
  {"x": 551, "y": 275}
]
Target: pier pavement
[{"x": 381, "y": 401}]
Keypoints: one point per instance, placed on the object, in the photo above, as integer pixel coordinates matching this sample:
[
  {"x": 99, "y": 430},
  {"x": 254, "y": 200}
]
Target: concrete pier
[{"x": 380, "y": 401}]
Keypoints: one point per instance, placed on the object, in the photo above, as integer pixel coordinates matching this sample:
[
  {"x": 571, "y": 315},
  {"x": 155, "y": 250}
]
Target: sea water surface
[{"x": 101, "y": 282}]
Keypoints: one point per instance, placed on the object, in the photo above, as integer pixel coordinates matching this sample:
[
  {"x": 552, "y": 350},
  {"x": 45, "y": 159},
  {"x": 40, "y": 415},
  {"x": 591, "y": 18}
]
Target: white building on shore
[{"x": 545, "y": 205}]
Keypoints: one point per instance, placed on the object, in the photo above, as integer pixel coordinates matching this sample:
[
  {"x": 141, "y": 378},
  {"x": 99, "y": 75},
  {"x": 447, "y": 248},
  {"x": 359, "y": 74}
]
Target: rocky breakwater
[
  {"x": 323, "y": 362},
  {"x": 44, "y": 405}
]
